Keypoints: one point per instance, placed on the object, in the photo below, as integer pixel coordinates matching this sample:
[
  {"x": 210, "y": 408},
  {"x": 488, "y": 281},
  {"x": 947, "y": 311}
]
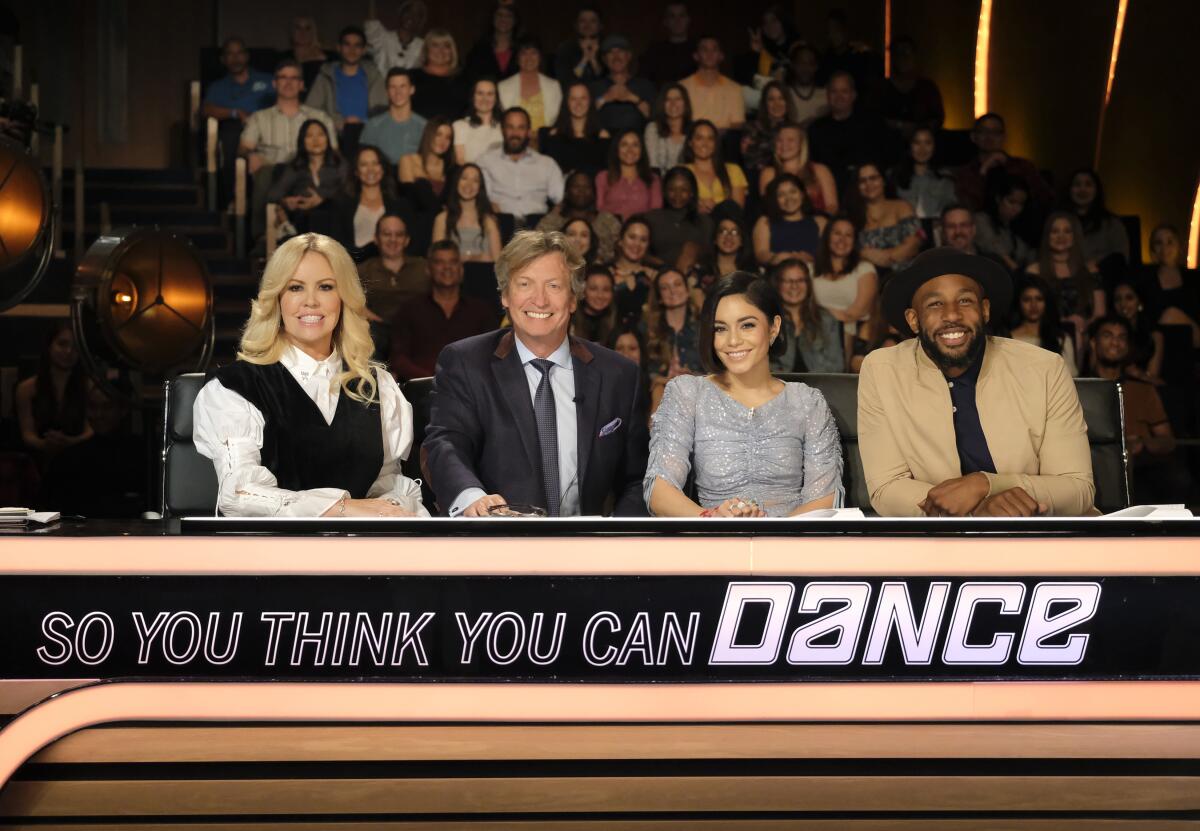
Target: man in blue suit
[{"x": 531, "y": 415}]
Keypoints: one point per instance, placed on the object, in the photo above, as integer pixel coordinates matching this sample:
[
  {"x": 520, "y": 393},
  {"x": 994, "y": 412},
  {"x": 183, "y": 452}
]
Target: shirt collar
[
  {"x": 560, "y": 357},
  {"x": 970, "y": 378},
  {"x": 298, "y": 362}
]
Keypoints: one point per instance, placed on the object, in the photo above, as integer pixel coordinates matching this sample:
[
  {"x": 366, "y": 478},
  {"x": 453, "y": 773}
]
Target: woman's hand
[
  {"x": 367, "y": 507},
  {"x": 738, "y": 507}
]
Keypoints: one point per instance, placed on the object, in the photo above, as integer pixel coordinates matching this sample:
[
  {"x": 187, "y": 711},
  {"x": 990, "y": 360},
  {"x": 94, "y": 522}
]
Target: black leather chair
[
  {"x": 417, "y": 391},
  {"x": 1102, "y": 410},
  {"x": 189, "y": 482}
]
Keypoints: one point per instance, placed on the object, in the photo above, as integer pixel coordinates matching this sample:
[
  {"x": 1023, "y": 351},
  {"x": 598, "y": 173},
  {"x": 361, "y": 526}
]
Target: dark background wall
[{"x": 1048, "y": 67}]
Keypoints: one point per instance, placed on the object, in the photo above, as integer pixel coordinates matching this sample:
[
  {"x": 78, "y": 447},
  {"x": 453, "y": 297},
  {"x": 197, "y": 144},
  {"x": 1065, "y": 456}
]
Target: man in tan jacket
[{"x": 957, "y": 423}]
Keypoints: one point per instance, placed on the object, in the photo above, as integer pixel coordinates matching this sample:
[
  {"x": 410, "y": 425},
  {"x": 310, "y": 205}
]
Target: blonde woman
[
  {"x": 303, "y": 423},
  {"x": 441, "y": 87}
]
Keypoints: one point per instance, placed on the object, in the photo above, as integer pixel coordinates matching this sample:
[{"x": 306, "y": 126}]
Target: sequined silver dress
[{"x": 781, "y": 455}]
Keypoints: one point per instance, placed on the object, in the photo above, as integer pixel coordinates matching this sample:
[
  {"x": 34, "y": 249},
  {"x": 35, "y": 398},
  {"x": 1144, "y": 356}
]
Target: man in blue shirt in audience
[
  {"x": 351, "y": 89},
  {"x": 233, "y": 99},
  {"x": 396, "y": 132}
]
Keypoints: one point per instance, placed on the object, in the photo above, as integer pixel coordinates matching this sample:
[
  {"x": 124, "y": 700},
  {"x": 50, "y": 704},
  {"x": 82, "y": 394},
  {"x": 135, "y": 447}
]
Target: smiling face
[
  {"x": 629, "y": 149},
  {"x": 672, "y": 289},
  {"x": 580, "y": 235},
  {"x": 793, "y": 286},
  {"x": 445, "y": 269},
  {"x": 635, "y": 242},
  {"x": 776, "y": 104},
  {"x": 391, "y": 236},
  {"x": 1165, "y": 248},
  {"x": 870, "y": 183},
  {"x": 439, "y": 52},
  {"x": 598, "y": 292},
  {"x": 841, "y": 238},
  {"x": 579, "y": 101},
  {"x": 442, "y": 139},
  {"x": 484, "y": 98},
  {"x": 678, "y": 192},
  {"x": 703, "y": 142},
  {"x": 540, "y": 302},
  {"x": 742, "y": 334},
  {"x": 235, "y": 57},
  {"x": 842, "y": 96},
  {"x": 948, "y": 314},
  {"x": 580, "y": 192},
  {"x": 1061, "y": 236},
  {"x": 627, "y": 345},
  {"x": 369, "y": 168},
  {"x": 310, "y": 306},
  {"x": 958, "y": 229},
  {"x": 515, "y": 130},
  {"x": 617, "y": 60},
  {"x": 1126, "y": 301},
  {"x": 289, "y": 83},
  {"x": 788, "y": 144},
  {"x": 789, "y": 198},
  {"x": 673, "y": 104},
  {"x": 1083, "y": 190},
  {"x": 1033, "y": 305},
  {"x": 529, "y": 59},
  {"x": 315, "y": 140},
  {"x": 468, "y": 183},
  {"x": 587, "y": 24},
  {"x": 729, "y": 237},
  {"x": 399, "y": 91},
  {"x": 708, "y": 54},
  {"x": 351, "y": 48},
  {"x": 1111, "y": 344},
  {"x": 921, "y": 146}
]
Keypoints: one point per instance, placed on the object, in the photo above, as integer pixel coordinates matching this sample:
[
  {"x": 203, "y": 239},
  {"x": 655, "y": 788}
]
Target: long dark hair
[
  {"x": 999, "y": 185},
  {"x": 659, "y": 335},
  {"x": 73, "y": 407},
  {"x": 856, "y": 205},
  {"x": 591, "y": 122},
  {"x": 1098, "y": 211},
  {"x": 660, "y": 113},
  {"x": 771, "y": 198},
  {"x": 759, "y": 293},
  {"x": 902, "y": 174},
  {"x": 810, "y": 312},
  {"x": 718, "y": 159},
  {"x": 589, "y": 256},
  {"x": 763, "y": 119},
  {"x": 614, "y": 158},
  {"x": 332, "y": 157},
  {"x": 824, "y": 260},
  {"x": 497, "y": 114},
  {"x": 387, "y": 184},
  {"x": 1050, "y": 329},
  {"x": 454, "y": 208},
  {"x": 425, "y": 148}
]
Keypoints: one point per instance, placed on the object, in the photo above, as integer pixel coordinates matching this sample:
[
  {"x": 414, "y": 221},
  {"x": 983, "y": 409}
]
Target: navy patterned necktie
[{"x": 547, "y": 427}]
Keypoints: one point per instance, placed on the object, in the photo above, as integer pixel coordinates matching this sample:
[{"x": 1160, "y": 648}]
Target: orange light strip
[
  {"x": 1118, "y": 30},
  {"x": 982, "y": 42},
  {"x": 1193, "y": 256},
  {"x": 887, "y": 38}
]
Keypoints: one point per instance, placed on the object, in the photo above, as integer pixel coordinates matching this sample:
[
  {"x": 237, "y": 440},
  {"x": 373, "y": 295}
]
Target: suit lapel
[
  {"x": 587, "y": 402},
  {"x": 514, "y": 388}
]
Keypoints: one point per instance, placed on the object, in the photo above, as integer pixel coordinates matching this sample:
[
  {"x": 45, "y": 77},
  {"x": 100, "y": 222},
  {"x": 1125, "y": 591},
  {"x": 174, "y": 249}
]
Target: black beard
[
  {"x": 944, "y": 361},
  {"x": 515, "y": 148}
]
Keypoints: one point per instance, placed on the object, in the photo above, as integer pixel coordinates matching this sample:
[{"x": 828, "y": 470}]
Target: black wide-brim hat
[{"x": 995, "y": 281}]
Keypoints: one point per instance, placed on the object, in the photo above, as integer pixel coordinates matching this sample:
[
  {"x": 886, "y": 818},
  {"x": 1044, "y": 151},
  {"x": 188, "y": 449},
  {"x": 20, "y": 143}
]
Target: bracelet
[
  {"x": 342, "y": 506},
  {"x": 707, "y": 512}
]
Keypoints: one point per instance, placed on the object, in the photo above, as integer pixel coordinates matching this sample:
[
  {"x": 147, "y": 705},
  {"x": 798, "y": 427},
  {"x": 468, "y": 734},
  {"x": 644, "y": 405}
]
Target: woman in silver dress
[{"x": 759, "y": 446}]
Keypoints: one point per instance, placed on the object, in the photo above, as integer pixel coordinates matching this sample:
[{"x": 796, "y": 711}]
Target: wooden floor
[{"x": 940, "y": 777}]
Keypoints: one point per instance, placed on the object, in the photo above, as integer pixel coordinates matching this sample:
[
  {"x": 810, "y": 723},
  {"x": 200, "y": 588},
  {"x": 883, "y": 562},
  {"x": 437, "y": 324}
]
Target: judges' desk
[{"x": 504, "y": 674}]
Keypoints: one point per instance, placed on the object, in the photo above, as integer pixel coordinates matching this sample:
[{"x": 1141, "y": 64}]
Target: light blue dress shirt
[{"x": 562, "y": 383}]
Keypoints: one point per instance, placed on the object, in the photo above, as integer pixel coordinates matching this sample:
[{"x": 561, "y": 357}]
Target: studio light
[{"x": 26, "y": 224}]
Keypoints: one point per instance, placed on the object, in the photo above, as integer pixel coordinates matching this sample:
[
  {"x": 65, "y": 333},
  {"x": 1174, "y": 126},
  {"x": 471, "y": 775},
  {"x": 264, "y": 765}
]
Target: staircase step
[
  {"x": 139, "y": 195},
  {"x": 174, "y": 216},
  {"x": 131, "y": 175}
]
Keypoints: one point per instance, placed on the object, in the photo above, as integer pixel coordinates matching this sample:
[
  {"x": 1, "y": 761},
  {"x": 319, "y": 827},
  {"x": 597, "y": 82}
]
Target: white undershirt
[{"x": 229, "y": 430}]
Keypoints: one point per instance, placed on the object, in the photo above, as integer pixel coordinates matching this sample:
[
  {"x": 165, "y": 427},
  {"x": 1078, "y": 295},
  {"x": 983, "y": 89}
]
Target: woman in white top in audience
[
  {"x": 370, "y": 193},
  {"x": 667, "y": 130},
  {"x": 537, "y": 94},
  {"x": 304, "y": 423},
  {"x": 846, "y": 285},
  {"x": 479, "y": 131}
]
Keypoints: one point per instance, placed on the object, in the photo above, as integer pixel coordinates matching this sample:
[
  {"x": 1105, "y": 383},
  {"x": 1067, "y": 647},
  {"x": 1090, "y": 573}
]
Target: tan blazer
[{"x": 1028, "y": 408}]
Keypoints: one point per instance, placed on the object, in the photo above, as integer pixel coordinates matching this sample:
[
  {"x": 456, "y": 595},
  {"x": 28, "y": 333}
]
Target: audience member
[
  {"x": 1105, "y": 241},
  {"x": 728, "y": 252},
  {"x": 314, "y": 177},
  {"x": 786, "y": 232},
  {"x": 994, "y": 235},
  {"x": 971, "y": 180},
  {"x": 628, "y": 342},
  {"x": 494, "y": 55},
  {"x": 845, "y": 54},
  {"x": 468, "y": 219},
  {"x": 716, "y": 179},
  {"x": 596, "y": 317},
  {"x": 667, "y": 130},
  {"x": 580, "y": 234},
  {"x": 849, "y": 135},
  {"x": 1157, "y": 474},
  {"x": 578, "y": 59},
  {"x": 578, "y": 442},
  {"x": 812, "y": 336},
  {"x": 441, "y": 87},
  {"x": 671, "y": 326},
  {"x": 785, "y": 461},
  {"x": 681, "y": 234},
  {"x": 479, "y": 131},
  {"x": 520, "y": 182},
  {"x": 369, "y": 194},
  {"x": 52, "y": 404},
  {"x": 234, "y": 98},
  {"x": 790, "y": 155},
  {"x": 399, "y": 49},
  {"x": 576, "y": 141},
  {"x": 631, "y": 266},
  {"x": 350, "y": 89},
  {"x": 579, "y": 202},
  {"x": 1075, "y": 283},
  {"x": 1146, "y": 343},
  {"x": 845, "y": 284},
  {"x": 807, "y": 99},
  {"x": 770, "y": 46},
  {"x": 306, "y": 50},
  {"x": 433, "y": 163},
  {"x": 758, "y": 140},
  {"x": 668, "y": 60},
  {"x": 1170, "y": 290},
  {"x": 1035, "y": 320},
  {"x": 890, "y": 234},
  {"x": 390, "y": 279},
  {"x": 303, "y": 423},
  {"x": 958, "y": 229},
  {"x": 622, "y": 98},
  {"x": 628, "y": 187},
  {"x": 715, "y": 98},
  {"x": 1032, "y": 458},
  {"x": 425, "y": 325},
  {"x": 396, "y": 132},
  {"x": 910, "y": 100},
  {"x": 918, "y": 182},
  {"x": 270, "y": 136},
  {"x": 531, "y": 90}
]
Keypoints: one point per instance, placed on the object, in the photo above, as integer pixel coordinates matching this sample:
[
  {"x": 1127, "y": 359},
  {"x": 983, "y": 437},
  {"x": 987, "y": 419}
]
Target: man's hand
[
  {"x": 353, "y": 119},
  {"x": 254, "y": 162},
  {"x": 480, "y": 506},
  {"x": 1012, "y": 502},
  {"x": 956, "y": 497}
]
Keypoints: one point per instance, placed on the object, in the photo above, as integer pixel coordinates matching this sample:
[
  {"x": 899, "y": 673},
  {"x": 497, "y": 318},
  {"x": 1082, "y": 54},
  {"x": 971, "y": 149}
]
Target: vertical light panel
[
  {"x": 1193, "y": 252},
  {"x": 887, "y": 38},
  {"x": 1118, "y": 29},
  {"x": 982, "y": 42}
]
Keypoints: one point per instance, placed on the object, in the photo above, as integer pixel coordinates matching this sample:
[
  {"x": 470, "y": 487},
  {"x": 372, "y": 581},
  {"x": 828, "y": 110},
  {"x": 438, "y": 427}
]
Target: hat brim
[{"x": 995, "y": 281}]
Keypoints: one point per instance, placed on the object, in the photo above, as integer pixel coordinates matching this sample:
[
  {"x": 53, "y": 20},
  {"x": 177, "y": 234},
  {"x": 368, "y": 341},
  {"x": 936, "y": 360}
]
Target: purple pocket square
[{"x": 610, "y": 428}]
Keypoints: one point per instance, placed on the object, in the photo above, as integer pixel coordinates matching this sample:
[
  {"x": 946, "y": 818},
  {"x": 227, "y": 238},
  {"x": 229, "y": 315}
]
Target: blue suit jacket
[{"x": 482, "y": 432}]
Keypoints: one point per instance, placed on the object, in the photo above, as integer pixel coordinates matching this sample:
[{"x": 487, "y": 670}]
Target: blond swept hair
[
  {"x": 442, "y": 35},
  {"x": 263, "y": 340},
  {"x": 527, "y": 246}
]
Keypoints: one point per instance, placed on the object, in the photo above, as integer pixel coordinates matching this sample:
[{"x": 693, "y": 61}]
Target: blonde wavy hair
[{"x": 263, "y": 340}]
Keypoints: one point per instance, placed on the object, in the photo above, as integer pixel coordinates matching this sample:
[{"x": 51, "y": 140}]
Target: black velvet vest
[{"x": 298, "y": 446}]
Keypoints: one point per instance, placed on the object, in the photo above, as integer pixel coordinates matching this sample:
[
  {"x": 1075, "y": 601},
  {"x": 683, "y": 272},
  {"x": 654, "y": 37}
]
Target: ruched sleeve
[{"x": 673, "y": 435}]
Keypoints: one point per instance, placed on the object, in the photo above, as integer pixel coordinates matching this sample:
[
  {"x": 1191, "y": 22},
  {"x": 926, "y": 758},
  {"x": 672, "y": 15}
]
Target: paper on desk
[
  {"x": 832, "y": 513},
  {"x": 20, "y": 516},
  {"x": 1152, "y": 512}
]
